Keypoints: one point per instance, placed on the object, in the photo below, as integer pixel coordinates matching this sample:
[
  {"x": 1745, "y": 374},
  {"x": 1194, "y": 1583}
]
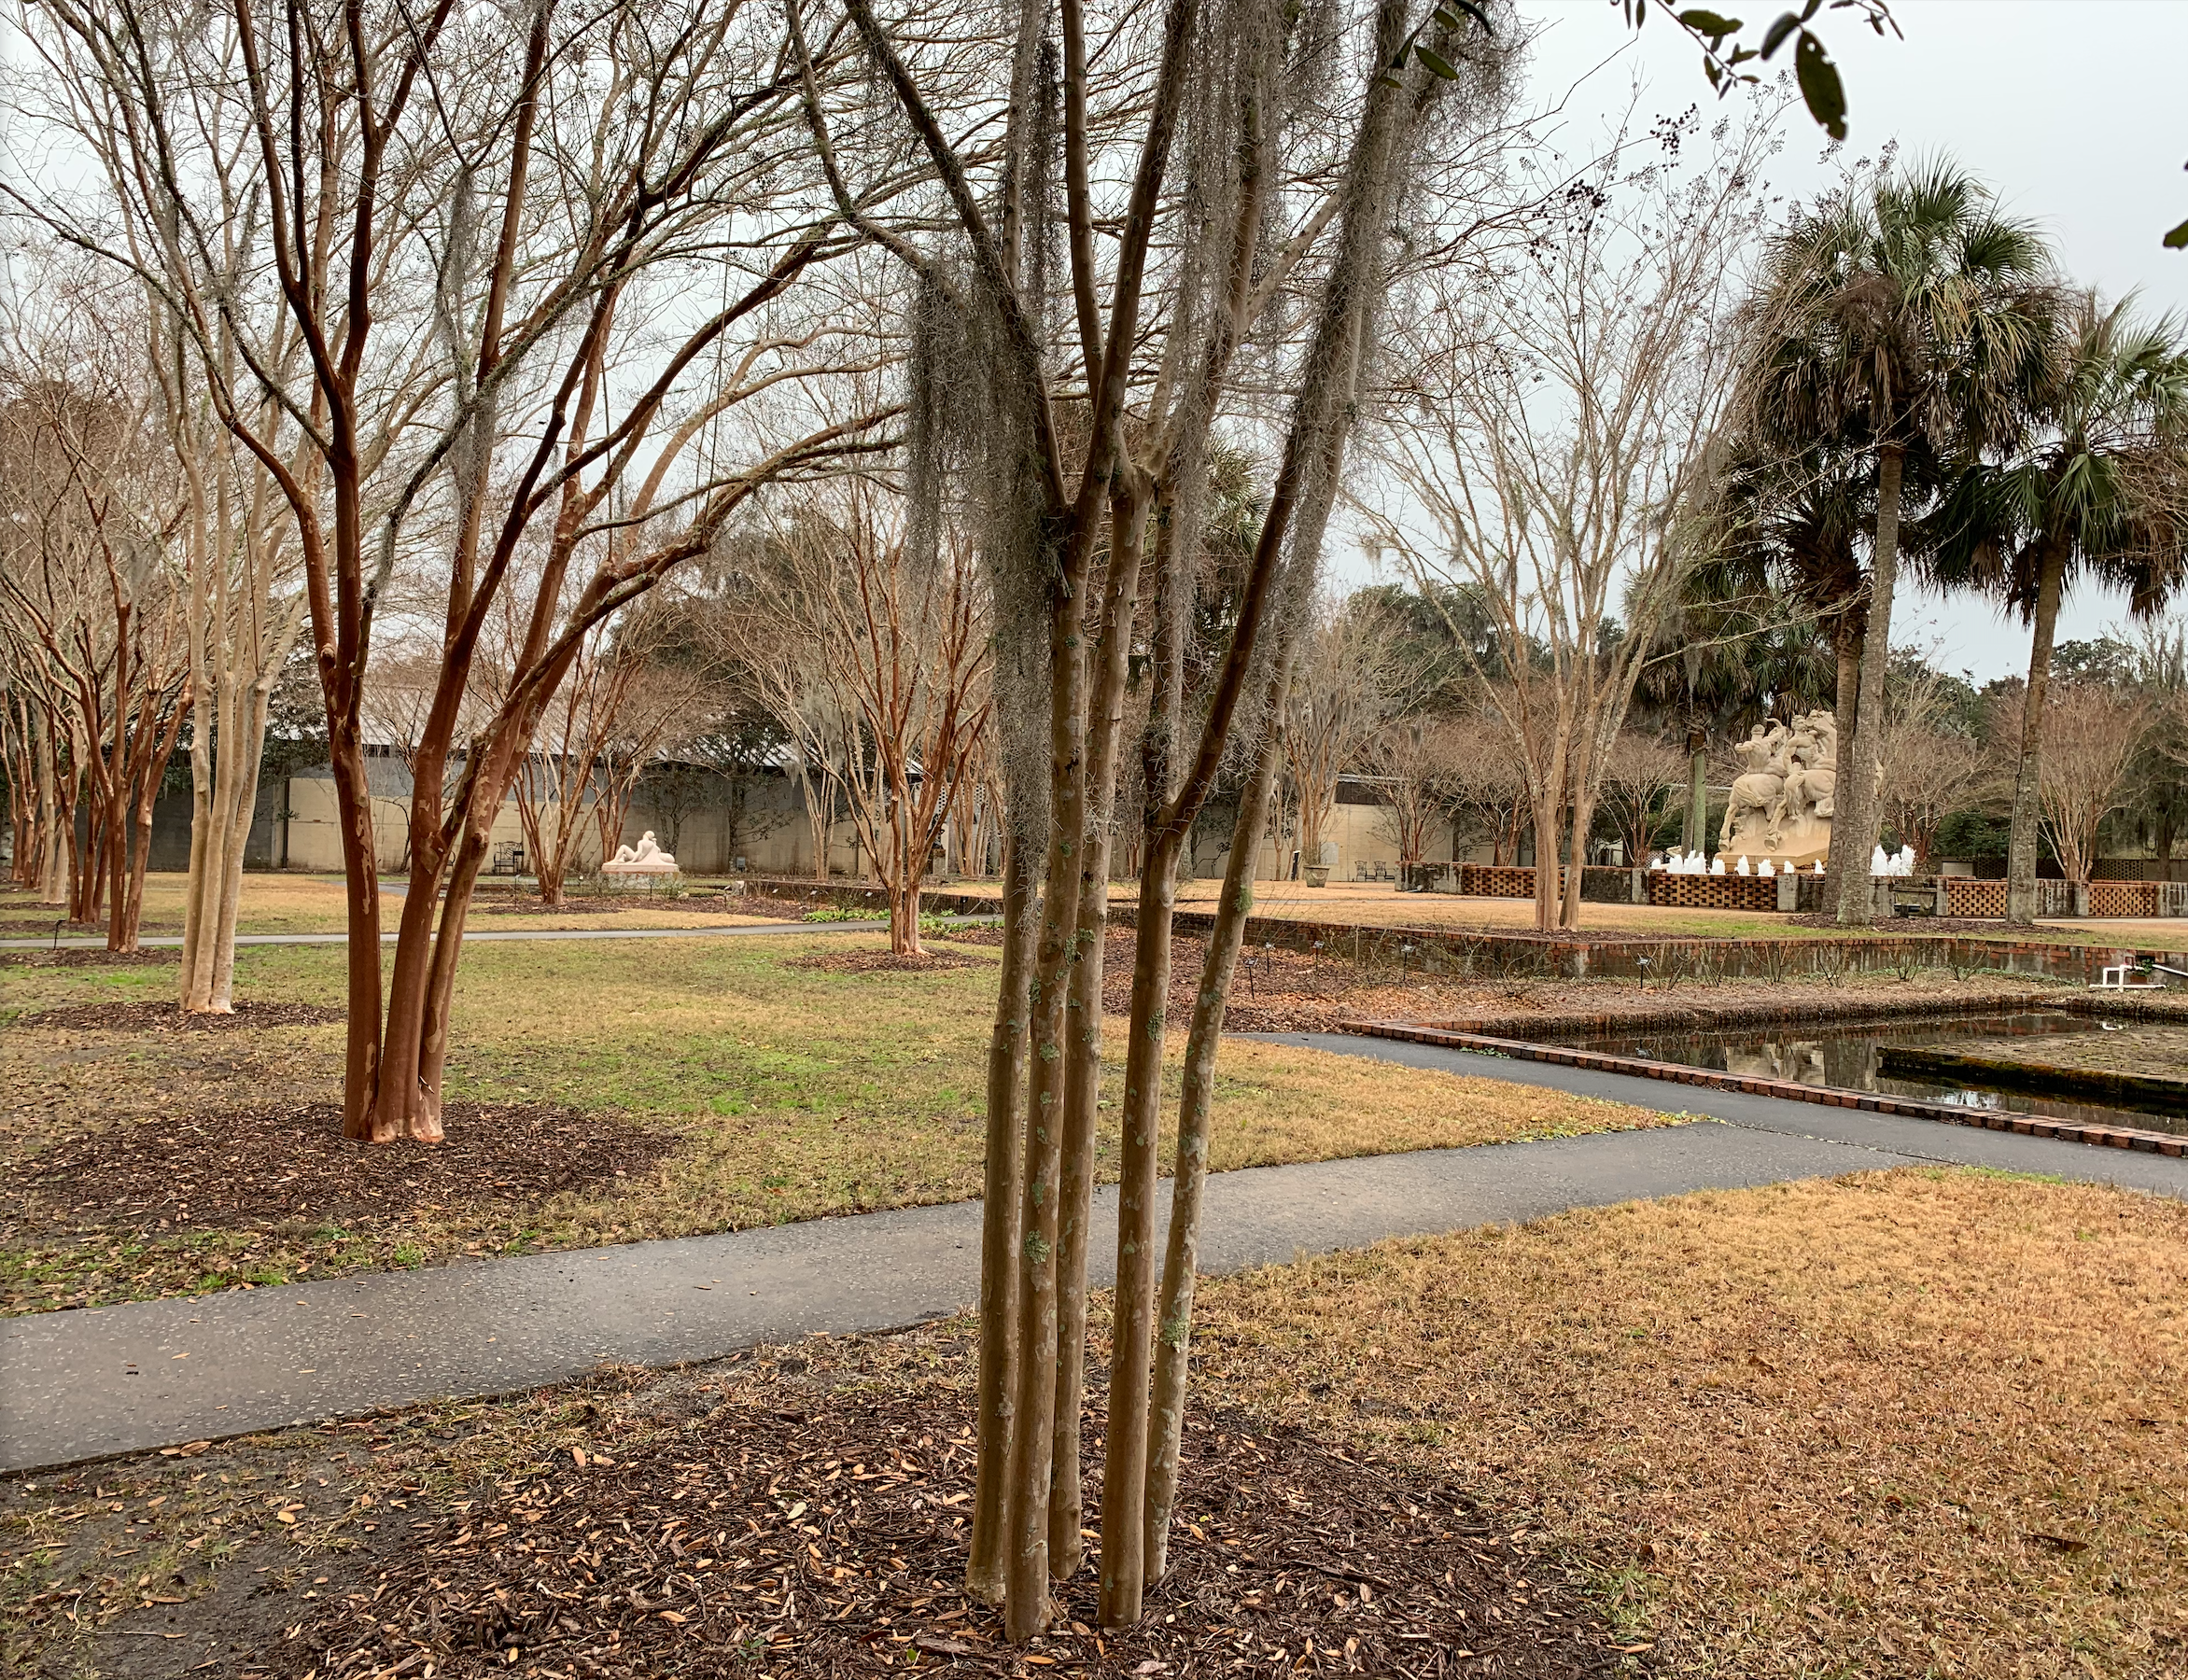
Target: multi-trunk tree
[
  {"x": 479, "y": 231},
  {"x": 627, "y": 693},
  {"x": 1348, "y": 680},
  {"x": 1072, "y": 354},
  {"x": 891, "y": 621}
]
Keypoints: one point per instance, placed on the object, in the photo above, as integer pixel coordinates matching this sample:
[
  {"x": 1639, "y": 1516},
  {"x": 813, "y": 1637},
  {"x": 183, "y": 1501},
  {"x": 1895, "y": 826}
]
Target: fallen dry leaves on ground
[
  {"x": 1917, "y": 1423},
  {"x": 799, "y": 1511}
]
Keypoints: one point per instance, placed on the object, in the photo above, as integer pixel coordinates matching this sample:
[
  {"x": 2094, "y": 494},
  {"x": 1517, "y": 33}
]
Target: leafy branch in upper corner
[
  {"x": 1445, "y": 16},
  {"x": 1723, "y": 53}
]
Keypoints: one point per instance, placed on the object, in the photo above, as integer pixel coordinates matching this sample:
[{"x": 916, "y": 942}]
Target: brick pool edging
[{"x": 2035, "y": 1125}]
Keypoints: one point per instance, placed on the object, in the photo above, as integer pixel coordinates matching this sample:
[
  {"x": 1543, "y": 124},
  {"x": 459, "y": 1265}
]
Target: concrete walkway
[
  {"x": 83, "y": 1384},
  {"x": 173, "y": 941}
]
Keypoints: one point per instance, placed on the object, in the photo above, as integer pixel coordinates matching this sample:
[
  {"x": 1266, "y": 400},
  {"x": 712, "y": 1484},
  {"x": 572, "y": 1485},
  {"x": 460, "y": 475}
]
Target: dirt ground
[{"x": 1900, "y": 1425}]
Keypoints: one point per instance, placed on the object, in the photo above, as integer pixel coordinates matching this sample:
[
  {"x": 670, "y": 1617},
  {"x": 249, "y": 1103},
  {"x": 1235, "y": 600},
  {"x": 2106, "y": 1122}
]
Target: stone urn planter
[{"x": 1317, "y": 874}]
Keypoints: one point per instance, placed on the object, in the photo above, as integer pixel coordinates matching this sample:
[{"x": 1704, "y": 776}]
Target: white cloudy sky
[{"x": 2069, "y": 108}]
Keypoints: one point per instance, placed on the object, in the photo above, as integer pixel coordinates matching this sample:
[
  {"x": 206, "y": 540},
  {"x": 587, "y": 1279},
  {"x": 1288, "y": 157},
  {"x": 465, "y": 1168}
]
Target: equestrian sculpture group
[{"x": 1780, "y": 807}]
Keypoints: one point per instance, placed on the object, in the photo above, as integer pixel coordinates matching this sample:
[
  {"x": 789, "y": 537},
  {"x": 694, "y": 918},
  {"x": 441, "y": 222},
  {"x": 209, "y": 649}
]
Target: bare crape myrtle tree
[
  {"x": 1556, "y": 467},
  {"x": 1192, "y": 238},
  {"x": 452, "y": 277},
  {"x": 96, "y": 613}
]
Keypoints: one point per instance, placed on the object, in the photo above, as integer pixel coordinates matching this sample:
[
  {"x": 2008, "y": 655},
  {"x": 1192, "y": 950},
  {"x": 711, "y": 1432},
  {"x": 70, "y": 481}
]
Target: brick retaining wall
[{"x": 1564, "y": 956}]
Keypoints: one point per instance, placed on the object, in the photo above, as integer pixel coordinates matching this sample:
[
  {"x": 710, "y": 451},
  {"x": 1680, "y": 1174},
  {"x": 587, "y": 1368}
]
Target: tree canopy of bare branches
[
  {"x": 2094, "y": 734},
  {"x": 894, "y": 640},
  {"x": 1555, "y": 464},
  {"x": 95, "y": 612},
  {"x": 435, "y": 269}
]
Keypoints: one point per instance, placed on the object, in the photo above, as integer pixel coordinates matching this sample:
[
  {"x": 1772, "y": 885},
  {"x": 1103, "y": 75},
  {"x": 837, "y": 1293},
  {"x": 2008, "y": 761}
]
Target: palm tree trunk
[
  {"x": 1697, "y": 789},
  {"x": 1854, "y": 828},
  {"x": 1846, "y": 641},
  {"x": 2021, "y": 846}
]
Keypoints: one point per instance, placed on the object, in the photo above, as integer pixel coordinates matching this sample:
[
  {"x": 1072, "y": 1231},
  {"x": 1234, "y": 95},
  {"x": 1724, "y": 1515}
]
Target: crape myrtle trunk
[
  {"x": 1000, "y": 1226},
  {"x": 1128, "y": 510}
]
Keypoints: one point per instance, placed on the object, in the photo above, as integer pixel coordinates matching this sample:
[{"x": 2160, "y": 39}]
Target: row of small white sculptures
[{"x": 1677, "y": 861}]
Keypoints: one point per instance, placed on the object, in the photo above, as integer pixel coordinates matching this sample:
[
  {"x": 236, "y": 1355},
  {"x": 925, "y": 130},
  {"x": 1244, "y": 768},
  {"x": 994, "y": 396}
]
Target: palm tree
[
  {"x": 1904, "y": 317},
  {"x": 2098, "y": 496}
]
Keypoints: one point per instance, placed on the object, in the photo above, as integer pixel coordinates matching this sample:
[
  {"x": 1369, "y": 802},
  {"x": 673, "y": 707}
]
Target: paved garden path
[
  {"x": 80, "y": 1384},
  {"x": 171, "y": 941}
]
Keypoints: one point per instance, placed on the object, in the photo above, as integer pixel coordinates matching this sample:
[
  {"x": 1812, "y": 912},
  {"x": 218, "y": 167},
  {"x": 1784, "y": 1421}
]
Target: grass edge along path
[
  {"x": 791, "y": 1093},
  {"x": 1747, "y": 1420}
]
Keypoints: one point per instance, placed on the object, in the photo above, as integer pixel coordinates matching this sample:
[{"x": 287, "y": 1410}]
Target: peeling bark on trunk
[
  {"x": 1195, "y": 1109},
  {"x": 1002, "y": 1187},
  {"x": 1032, "y": 1443},
  {"x": 1083, "y": 1056}
]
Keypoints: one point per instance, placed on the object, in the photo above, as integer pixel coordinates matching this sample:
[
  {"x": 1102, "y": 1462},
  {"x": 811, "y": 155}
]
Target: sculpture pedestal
[{"x": 1801, "y": 844}]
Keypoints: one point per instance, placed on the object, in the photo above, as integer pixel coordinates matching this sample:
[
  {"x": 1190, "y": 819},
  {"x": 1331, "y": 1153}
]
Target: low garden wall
[
  {"x": 1549, "y": 954},
  {"x": 1968, "y": 897},
  {"x": 1713, "y": 891},
  {"x": 1599, "y": 884},
  {"x": 1571, "y": 957},
  {"x": 854, "y": 895}
]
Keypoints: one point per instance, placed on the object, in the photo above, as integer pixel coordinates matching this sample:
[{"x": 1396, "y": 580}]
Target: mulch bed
[
  {"x": 1276, "y": 991},
  {"x": 170, "y": 1018},
  {"x": 788, "y": 1533},
  {"x": 236, "y": 1171},
  {"x": 498, "y": 905},
  {"x": 888, "y": 962},
  {"x": 39, "y": 927},
  {"x": 84, "y": 958}
]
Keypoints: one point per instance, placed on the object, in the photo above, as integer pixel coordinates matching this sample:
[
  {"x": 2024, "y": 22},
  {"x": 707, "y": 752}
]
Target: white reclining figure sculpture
[{"x": 644, "y": 858}]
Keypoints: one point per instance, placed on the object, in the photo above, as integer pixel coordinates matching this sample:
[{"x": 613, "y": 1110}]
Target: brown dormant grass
[{"x": 1910, "y": 1423}]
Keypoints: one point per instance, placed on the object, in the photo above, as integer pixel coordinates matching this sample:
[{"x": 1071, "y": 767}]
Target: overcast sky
[{"x": 2069, "y": 108}]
